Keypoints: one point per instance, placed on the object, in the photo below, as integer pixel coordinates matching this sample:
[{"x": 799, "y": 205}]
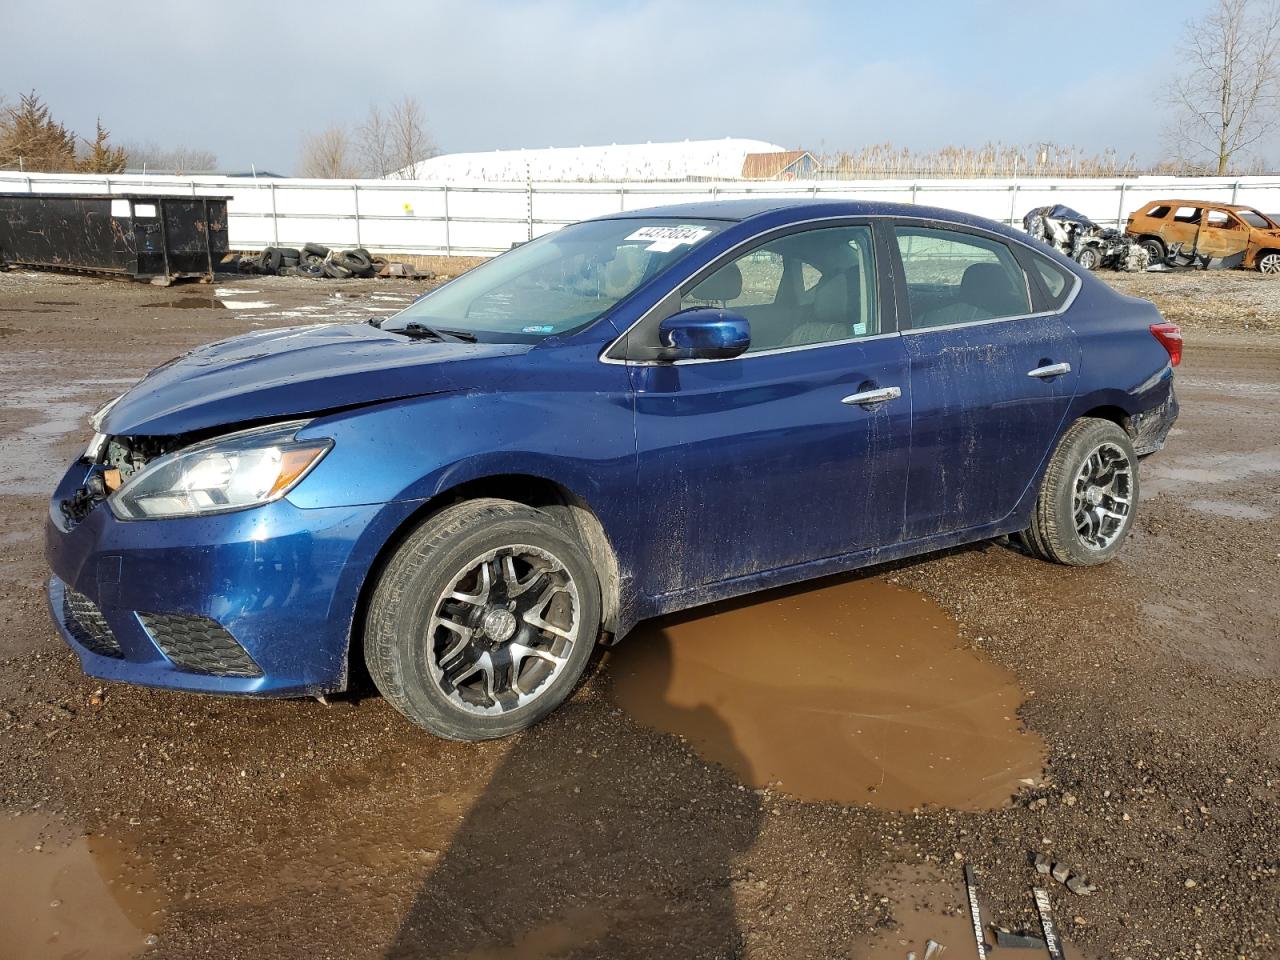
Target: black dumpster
[{"x": 154, "y": 238}]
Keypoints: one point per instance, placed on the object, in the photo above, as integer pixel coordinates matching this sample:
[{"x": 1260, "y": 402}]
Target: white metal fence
[{"x": 421, "y": 217}]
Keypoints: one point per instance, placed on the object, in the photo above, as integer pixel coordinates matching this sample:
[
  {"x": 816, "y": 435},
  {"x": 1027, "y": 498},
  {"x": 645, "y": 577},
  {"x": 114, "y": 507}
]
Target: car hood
[{"x": 295, "y": 372}]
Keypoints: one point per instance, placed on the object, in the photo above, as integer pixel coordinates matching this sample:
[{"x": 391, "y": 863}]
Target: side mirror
[{"x": 704, "y": 333}]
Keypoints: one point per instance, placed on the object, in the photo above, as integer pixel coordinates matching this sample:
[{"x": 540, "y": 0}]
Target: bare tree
[
  {"x": 154, "y": 158},
  {"x": 329, "y": 155},
  {"x": 374, "y": 144},
  {"x": 411, "y": 140},
  {"x": 1225, "y": 94}
]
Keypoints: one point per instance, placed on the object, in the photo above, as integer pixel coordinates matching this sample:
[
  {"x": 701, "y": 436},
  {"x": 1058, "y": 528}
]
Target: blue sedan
[{"x": 631, "y": 416}]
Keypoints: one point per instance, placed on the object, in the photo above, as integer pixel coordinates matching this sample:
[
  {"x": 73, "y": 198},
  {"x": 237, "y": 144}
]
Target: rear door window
[
  {"x": 1220, "y": 219},
  {"x": 1187, "y": 215},
  {"x": 955, "y": 277}
]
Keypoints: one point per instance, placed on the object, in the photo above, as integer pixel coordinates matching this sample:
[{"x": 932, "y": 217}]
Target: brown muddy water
[
  {"x": 856, "y": 692},
  {"x": 66, "y": 895},
  {"x": 926, "y": 905}
]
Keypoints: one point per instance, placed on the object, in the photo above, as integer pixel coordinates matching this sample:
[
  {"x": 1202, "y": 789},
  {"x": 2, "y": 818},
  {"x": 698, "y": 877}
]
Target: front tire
[
  {"x": 483, "y": 620},
  {"x": 1269, "y": 262},
  {"x": 1088, "y": 497},
  {"x": 1155, "y": 249},
  {"x": 1089, "y": 258}
]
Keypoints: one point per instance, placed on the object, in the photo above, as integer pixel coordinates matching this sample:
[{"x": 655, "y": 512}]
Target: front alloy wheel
[
  {"x": 503, "y": 628},
  {"x": 1269, "y": 262},
  {"x": 1089, "y": 258},
  {"x": 483, "y": 620}
]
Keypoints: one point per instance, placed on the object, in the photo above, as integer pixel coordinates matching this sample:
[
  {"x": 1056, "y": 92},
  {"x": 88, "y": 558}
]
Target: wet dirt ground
[{"x": 1121, "y": 720}]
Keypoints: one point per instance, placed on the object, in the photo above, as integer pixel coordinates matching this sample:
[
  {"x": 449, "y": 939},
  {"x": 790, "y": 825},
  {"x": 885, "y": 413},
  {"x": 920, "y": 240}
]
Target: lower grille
[
  {"x": 199, "y": 645},
  {"x": 85, "y": 622}
]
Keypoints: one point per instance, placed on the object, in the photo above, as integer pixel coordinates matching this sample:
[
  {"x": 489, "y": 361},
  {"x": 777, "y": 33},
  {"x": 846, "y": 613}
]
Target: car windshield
[
  {"x": 1254, "y": 219},
  {"x": 557, "y": 283}
]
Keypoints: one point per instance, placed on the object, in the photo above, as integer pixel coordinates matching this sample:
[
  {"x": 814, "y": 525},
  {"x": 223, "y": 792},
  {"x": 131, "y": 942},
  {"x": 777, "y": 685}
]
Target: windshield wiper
[{"x": 421, "y": 331}]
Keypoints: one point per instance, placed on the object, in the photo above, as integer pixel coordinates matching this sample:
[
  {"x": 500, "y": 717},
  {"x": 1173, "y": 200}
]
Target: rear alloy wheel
[
  {"x": 483, "y": 620},
  {"x": 1088, "y": 497},
  {"x": 1269, "y": 262},
  {"x": 1089, "y": 258}
]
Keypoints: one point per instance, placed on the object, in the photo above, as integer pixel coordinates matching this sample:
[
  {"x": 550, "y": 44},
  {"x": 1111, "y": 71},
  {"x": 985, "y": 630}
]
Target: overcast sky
[{"x": 248, "y": 80}]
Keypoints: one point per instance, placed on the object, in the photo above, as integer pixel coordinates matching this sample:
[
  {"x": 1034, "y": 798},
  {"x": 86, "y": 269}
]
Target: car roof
[
  {"x": 1201, "y": 203},
  {"x": 794, "y": 209}
]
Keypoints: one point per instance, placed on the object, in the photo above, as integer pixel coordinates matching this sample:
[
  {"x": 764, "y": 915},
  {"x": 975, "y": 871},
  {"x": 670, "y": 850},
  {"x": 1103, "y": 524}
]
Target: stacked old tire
[{"x": 313, "y": 260}]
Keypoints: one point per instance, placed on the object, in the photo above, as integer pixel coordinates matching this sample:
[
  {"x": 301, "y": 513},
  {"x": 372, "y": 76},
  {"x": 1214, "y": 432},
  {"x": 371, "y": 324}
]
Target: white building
[{"x": 709, "y": 159}]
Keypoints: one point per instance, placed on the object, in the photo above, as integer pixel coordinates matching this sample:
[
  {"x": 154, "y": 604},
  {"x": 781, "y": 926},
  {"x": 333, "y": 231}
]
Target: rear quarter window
[
  {"x": 1057, "y": 281},
  {"x": 1158, "y": 212}
]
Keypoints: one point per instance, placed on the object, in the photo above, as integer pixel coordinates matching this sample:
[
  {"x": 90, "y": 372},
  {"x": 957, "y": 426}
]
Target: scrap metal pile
[
  {"x": 1093, "y": 247},
  {"x": 320, "y": 262}
]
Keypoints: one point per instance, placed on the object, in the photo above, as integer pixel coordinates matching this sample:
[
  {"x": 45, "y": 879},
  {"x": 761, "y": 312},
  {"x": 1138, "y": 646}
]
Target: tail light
[{"x": 1170, "y": 337}]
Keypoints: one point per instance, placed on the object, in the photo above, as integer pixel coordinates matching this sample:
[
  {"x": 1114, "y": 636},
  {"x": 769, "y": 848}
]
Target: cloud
[{"x": 248, "y": 82}]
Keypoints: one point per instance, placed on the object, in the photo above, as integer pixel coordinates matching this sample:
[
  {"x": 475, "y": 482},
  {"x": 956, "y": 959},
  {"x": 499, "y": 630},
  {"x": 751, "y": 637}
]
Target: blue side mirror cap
[{"x": 704, "y": 333}]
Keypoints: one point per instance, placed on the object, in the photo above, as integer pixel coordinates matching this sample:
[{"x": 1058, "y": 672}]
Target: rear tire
[
  {"x": 483, "y": 620},
  {"x": 1088, "y": 497}
]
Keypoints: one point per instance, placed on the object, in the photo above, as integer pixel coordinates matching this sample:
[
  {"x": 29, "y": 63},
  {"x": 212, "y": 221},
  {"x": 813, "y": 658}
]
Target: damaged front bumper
[{"x": 255, "y": 602}]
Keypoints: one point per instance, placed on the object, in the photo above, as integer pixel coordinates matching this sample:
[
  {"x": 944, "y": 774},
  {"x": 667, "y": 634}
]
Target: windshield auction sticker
[{"x": 664, "y": 239}]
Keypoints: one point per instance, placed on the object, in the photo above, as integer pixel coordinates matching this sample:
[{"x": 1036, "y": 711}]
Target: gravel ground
[
  {"x": 1226, "y": 300},
  {"x": 291, "y": 829}
]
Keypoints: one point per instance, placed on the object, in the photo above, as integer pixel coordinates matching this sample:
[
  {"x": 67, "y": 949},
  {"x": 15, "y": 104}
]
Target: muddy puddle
[
  {"x": 925, "y": 906},
  {"x": 856, "y": 692},
  {"x": 48, "y": 414},
  {"x": 192, "y": 303},
  {"x": 65, "y": 894}
]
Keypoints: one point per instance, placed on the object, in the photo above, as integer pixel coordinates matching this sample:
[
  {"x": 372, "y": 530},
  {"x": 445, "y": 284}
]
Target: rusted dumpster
[{"x": 156, "y": 238}]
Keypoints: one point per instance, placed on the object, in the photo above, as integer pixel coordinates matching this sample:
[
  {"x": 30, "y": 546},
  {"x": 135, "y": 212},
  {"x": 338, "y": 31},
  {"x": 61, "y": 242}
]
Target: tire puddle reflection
[{"x": 852, "y": 692}]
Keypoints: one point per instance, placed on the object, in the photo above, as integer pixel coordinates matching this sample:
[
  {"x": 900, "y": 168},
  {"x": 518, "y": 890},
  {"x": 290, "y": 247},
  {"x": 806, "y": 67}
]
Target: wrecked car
[
  {"x": 1192, "y": 233},
  {"x": 624, "y": 418},
  {"x": 1093, "y": 247}
]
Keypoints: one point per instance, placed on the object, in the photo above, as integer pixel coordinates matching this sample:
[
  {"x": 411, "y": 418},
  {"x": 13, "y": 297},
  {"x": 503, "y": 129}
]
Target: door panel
[
  {"x": 757, "y": 463},
  {"x": 1222, "y": 239},
  {"x": 980, "y": 425}
]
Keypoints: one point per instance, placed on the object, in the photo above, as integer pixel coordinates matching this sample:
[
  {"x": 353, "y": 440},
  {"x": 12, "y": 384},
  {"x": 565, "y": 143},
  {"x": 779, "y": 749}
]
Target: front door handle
[
  {"x": 868, "y": 397},
  {"x": 1049, "y": 370}
]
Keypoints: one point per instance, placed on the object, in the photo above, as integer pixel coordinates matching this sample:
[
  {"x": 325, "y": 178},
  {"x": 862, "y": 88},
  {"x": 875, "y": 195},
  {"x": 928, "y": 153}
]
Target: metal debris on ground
[
  {"x": 975, "y": 914},
  {"x": 933, "y": 949},
  {"x": 1072, "y": 233},
  {"x": 1051, "y": 942},
  {"x": 1017, "y": 941},
  {"x": 320, "y": 262}
]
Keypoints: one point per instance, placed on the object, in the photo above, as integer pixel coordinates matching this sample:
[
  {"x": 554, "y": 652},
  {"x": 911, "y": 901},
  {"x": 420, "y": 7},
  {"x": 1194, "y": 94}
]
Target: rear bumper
[
  {"x": 278, "y": 582},
  {"x": 1151, "y": 427}
]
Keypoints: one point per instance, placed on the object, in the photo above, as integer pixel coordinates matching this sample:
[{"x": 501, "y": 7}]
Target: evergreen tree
[
  {"x": 102, "y": 156},
  {"x": 30, "y": 139}
]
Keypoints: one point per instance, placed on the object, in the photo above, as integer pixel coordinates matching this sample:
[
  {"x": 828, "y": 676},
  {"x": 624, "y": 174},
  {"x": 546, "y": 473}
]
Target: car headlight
[{"x": 245, "y": 469}]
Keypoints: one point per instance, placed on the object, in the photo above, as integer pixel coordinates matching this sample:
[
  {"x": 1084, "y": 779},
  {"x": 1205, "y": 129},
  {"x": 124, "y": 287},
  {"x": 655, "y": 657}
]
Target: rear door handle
[
  {"x": 879, "y": 395},
  {"x": 1051, "y": 370}
]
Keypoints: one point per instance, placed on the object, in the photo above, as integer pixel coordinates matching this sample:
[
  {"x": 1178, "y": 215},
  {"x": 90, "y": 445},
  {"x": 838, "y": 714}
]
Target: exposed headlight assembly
[
  {"x": 240, "y": 470},
  {"x": 99, "y": 439}
]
